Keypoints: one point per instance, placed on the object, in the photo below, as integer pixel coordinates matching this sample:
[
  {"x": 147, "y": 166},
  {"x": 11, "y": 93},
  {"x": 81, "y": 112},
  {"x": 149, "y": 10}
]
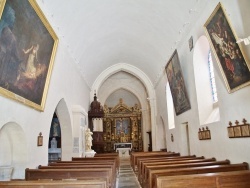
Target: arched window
[{"x": 170, "y": 108}]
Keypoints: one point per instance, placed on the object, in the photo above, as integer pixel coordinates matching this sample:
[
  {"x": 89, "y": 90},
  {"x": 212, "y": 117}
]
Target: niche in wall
[{"x": 54, "y": 144}]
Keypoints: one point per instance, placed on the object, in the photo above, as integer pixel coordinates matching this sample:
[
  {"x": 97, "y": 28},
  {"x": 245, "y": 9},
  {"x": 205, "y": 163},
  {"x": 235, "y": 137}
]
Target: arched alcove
[
  {"x": 14, "y": 150},
  {"x": 208, "y": 111}
]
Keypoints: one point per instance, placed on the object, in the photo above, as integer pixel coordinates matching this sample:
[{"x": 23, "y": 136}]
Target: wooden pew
[
  {"x": 55, "y": 184},
  {"x": 135, "y": 156},
  {"x": 89, "y": 162},
  {"x": 79, "y": 174},
  {"x": 102, "y": 159},
  {"x": 154, "y": 174},
  {"x": 143, "y": 161},
  {"x": 76, "y": 166},
  {"x": 106, "y": 154},
  {"x": 161, "y": 158},
  {"x": 183, "y": 165},
  {"x": 170, "y": 162},
  {"x": 235, "y": 179}
]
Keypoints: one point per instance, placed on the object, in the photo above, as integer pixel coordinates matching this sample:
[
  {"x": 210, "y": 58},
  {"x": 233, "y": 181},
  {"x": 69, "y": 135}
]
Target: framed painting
[
  {"x": 228, "y": 53},
  {"x": 177, "y": 84},
  {"x": 122, "y": 126},
  {"x": 29, "y": 44}
]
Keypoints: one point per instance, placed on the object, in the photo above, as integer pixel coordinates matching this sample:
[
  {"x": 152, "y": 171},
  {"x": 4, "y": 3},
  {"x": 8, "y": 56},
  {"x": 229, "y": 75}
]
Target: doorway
[{"x": 185, "y": 139}]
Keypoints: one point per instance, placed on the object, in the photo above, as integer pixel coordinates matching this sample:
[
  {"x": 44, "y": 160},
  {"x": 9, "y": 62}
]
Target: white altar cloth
[{"x": 123, "y": 152}]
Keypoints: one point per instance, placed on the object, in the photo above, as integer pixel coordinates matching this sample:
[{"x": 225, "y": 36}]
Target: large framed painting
[
  {"x": 177, "y": 85},
  {"x": 228, "y": 53},
  {"x": 27, "y": 50},
  {"x": 122, "y": 126}
]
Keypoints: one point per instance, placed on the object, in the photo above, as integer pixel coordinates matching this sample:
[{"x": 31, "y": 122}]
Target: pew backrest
[
  {"x": 98, "y": 183},
  {"x": 235, "y": 179}
]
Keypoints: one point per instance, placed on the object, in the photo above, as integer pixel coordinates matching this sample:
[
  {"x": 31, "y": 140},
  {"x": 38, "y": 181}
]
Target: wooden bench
[
  {"x": 143, "y": 161},
  {"x": 235, "y": 179},
  {"x": 154, "y": 174},
  {"x": 106, "y": 154},
  {"x": 55, "y": 184},
  {"x": 79, "y": 174},
  {"x": 183, "y": 165},
  {"x": 170, "y": 162},
  {"x": 135, "y": 156},
  {"x": 102, "y": 159},
  {"x": 140, "y": 160},
  {"x": 76, "y": 166},
  {"x": 80, "y": 163}
]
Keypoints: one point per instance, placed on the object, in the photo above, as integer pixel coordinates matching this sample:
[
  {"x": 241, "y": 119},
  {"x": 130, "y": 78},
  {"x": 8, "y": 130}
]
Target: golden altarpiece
[{"x": 121, "y": 124}]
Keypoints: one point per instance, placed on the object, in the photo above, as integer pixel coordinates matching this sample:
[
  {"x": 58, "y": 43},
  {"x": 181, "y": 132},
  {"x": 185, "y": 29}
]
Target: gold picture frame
[
  {"x": 228, "y": 53},
  {"x": 177, "y": 84},
  {"x": 25, "y": 68}
]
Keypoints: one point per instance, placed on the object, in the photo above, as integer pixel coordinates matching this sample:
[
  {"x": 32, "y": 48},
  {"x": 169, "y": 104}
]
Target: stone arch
[{"x": 142, "y": 77}]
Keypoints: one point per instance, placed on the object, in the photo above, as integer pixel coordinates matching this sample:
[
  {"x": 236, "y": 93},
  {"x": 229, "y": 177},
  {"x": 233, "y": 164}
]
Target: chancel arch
[
  {"x": 119, "y": 85},
  {"x": 146, "y": 82}
]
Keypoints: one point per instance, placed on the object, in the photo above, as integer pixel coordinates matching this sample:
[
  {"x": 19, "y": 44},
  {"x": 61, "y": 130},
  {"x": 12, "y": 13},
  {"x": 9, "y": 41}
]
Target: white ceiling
[{"x": 101, "y": 33}]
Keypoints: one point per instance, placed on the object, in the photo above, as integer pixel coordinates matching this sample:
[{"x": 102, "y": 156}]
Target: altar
[{"x": 123, "y": 149}]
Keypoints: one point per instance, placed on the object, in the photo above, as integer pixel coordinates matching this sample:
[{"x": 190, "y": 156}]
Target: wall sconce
[{"x": 40, "y": 139}]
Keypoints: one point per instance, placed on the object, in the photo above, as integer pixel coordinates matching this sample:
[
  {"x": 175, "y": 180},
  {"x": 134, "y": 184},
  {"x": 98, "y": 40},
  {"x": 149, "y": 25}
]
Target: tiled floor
[{"x": 127, "y": 177}]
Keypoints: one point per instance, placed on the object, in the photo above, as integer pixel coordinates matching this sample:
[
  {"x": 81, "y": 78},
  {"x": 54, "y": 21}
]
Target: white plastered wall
[{"x": 234, "y": 106}]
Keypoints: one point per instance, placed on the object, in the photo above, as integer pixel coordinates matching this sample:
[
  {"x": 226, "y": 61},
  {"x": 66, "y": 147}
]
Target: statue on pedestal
[
  {"x": 88, "y": 143},
  {"x": 88, "y": 139}
]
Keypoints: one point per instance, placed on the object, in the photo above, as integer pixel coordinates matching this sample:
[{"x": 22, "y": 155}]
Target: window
[{"x": 212, "y": 80}]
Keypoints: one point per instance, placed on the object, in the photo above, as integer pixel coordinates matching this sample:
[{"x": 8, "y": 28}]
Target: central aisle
[{"x": 126, "y": 176}]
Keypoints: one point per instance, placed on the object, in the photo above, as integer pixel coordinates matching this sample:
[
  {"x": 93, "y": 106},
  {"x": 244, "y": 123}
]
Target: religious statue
[{"x": 88, "y": 139}]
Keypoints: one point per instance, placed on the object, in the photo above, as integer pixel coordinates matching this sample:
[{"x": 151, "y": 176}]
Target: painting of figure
[
  {"x": 228, "y": 53},
  {"x": 177, "y": 85},
  {"x": 122, "y": 126},
  {"x": 27, "y": 50}
]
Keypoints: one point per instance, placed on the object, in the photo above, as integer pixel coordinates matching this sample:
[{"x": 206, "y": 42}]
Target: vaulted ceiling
[{"x": 101, "y": 33}]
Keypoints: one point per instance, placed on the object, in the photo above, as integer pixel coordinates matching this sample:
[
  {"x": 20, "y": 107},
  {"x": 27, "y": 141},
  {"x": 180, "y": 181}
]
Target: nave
[{"x": 126, "y": 177}]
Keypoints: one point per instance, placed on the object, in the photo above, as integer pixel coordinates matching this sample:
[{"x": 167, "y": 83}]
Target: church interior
[{"x": 140, "y": 76}]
